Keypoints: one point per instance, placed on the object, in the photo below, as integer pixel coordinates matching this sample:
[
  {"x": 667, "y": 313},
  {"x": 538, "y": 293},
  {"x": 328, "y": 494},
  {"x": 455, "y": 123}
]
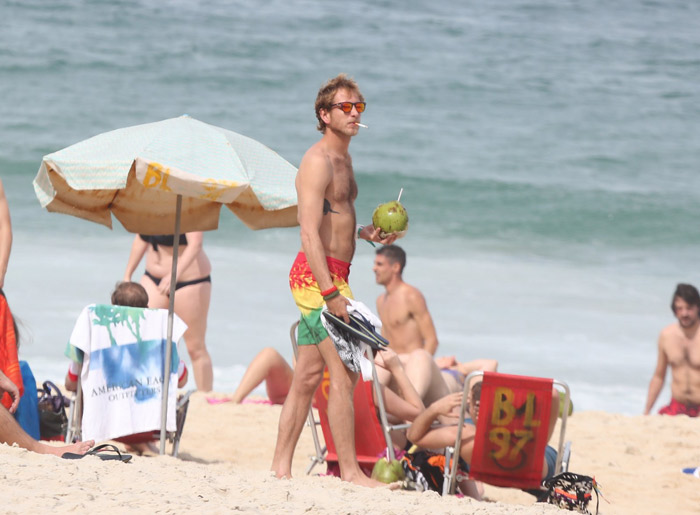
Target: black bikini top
[{"x": 166, "y": 240}]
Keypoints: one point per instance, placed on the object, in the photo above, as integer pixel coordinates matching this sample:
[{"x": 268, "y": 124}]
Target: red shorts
[
  {"x": 678, "y": 408},
  {"x": 307, "y": 296}
]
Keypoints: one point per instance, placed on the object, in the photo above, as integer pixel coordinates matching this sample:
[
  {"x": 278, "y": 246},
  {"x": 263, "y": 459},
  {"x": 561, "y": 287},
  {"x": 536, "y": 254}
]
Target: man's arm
[
  {"x": 421, "y": 433},
  {"x": 419, "y": 310},
  {"x": 71, "y": 381},
  {"x": 313, "y": 178},
  {"x": 657, "y": 380},
  {"x": 5, "y": 235},
  {"x": 138, "y": 249}
]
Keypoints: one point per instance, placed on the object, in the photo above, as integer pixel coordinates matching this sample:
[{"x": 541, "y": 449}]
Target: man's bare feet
[
  {"x": 76, "y": 448},
  {"x": 368, "y": 482},
  {"x": 282, "y": 475}
]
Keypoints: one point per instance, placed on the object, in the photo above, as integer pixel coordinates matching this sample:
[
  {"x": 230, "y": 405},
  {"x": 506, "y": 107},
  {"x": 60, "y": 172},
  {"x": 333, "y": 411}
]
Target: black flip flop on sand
[
  {"x": 359, "y": 327},
  {"x": 105, "y": 451}
]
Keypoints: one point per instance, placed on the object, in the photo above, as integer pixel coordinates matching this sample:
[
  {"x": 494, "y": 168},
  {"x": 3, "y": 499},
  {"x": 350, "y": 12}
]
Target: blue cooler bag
[{"x": 27, "y": 414}]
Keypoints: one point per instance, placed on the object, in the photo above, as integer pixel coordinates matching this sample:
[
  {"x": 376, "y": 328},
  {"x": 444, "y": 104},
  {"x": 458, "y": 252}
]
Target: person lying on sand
[
  {"x": 269, "y": 366},
  {"x": 12, "y": 433},
  {"x": 454, "y": 372}
]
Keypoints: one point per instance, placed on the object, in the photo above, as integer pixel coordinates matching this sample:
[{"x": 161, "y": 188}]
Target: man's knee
[
  {"x": 342, "y": 385},
  {"x": 306, "y": 380}
]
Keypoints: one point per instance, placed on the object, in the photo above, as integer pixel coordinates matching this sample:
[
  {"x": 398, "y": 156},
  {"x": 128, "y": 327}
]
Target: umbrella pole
[{"x": 171, "y": 311}]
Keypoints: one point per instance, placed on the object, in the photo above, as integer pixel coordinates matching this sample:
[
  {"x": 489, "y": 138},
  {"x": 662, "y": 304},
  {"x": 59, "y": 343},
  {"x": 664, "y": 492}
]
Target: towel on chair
[
  {"x": 122, "y": 350},
  {"x": 9, "y": 361}
]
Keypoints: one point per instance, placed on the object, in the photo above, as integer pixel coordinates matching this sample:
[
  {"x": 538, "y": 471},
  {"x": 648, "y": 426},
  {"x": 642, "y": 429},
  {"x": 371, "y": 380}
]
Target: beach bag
[
  {"x": 53, "y": 420},
  {"x": 27, "y": 414},
  {"x": 571, "y": 491},
  {"x": 425, "y": 470}
]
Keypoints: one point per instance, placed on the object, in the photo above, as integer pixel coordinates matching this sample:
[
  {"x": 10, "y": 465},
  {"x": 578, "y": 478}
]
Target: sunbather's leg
[
  {"x": 143, "y": 448},
  {"x": 307, "y": 376},
  {"x": 269, "y": 366},
  {"x": 192, "y": 305},
  {"x": 341, "y": 416},
  {"x": 424, "y": 375},
  {"x": 487, "y": 365},
  {"x": 11, "y": 432}
]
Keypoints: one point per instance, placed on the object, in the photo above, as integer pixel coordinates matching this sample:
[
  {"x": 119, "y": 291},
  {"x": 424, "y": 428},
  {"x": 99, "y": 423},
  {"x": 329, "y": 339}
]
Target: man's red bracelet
[{"x": 330, "y": 290}]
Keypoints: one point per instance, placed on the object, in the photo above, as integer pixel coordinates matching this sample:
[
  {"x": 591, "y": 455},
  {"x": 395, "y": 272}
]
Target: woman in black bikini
[{"x": 192, "y": 290}]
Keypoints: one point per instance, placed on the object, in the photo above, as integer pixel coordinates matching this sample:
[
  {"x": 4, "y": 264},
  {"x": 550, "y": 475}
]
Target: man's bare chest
[
  {"x": 396, "y": 314},
  {"x": 343, "y": 188},
  {"x": 684, "y": 352}
]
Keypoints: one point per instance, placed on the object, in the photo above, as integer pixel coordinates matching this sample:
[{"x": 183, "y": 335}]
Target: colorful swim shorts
[
  {"x": 678, "y": 408},
  {"x": 307, "y": 296}
]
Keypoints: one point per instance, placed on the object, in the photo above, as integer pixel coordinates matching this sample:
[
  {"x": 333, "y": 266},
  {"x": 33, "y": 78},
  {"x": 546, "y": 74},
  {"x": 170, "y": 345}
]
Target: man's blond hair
[{"x": 325, "y": 96}]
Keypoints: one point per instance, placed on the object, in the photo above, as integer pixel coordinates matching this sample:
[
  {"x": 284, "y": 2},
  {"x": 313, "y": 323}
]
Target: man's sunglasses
[{"x": 346, "y": 107}]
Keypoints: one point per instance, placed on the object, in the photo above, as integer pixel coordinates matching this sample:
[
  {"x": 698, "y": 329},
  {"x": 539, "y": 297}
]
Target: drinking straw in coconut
[{"x": 400, "y": 193}]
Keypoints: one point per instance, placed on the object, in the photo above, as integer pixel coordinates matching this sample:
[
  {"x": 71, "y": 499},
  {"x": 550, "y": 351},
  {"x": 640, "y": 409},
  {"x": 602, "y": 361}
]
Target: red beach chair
[
  {"x": 372, "y": 436},
  {"x": 511, "y": 431},
  {"x": 369, "y": 439}
]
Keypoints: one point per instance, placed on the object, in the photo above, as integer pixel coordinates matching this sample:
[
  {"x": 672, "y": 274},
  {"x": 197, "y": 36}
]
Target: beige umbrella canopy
[
  {"x": 135, "y": 172},
  {"x": 169, "y": 177}
]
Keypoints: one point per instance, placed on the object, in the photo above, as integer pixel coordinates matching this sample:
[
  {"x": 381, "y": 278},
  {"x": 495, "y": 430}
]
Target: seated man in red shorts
[{"x": 679, "y": 348}]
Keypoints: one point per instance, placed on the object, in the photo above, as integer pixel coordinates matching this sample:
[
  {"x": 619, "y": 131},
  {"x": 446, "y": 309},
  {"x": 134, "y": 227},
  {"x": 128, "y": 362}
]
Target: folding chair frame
[
  {"x": 383, "y": 421},
  {"x": 75, "y": 416},
  {"x": 451, "y": 465}
]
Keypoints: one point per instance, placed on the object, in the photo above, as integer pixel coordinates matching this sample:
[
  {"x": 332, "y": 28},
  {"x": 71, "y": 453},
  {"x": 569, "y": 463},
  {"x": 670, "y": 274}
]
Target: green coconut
[
  {"x": 388, "y": 472},
  {"x": 390, "y": 217},
  {"x": 562, "y": 397}
]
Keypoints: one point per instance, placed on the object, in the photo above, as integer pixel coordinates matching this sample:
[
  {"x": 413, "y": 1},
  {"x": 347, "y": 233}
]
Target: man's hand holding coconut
[{"x": 389, "y": 223}]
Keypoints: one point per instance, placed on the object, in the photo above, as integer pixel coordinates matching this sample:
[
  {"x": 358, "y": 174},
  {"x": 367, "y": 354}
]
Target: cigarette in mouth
[{"x": 361, "y": 125}]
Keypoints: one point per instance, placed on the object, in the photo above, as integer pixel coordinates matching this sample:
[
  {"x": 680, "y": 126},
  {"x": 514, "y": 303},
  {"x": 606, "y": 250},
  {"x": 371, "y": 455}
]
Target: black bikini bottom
[{"x": 178, "y": 284}]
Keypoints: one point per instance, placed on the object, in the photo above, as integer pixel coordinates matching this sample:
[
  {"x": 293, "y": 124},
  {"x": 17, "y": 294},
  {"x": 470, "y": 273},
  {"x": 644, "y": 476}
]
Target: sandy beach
[{"x": 226, "y": 451}]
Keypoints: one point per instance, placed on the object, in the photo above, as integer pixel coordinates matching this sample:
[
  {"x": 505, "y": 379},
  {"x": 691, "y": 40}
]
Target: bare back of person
[{"x": 682, "y": 351}]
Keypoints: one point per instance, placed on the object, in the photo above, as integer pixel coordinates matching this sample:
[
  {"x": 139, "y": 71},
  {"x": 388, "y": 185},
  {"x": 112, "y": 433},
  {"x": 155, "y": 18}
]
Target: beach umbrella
[{"x": 169, "y": 177}]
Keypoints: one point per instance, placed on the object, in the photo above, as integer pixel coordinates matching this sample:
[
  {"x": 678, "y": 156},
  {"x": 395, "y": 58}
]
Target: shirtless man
[
  {"x": 5, "y": 235},
  {"x": 679, "y": 348},
  {"x": 407, "y": 324},
  {"x": 326, "y": 191}
]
